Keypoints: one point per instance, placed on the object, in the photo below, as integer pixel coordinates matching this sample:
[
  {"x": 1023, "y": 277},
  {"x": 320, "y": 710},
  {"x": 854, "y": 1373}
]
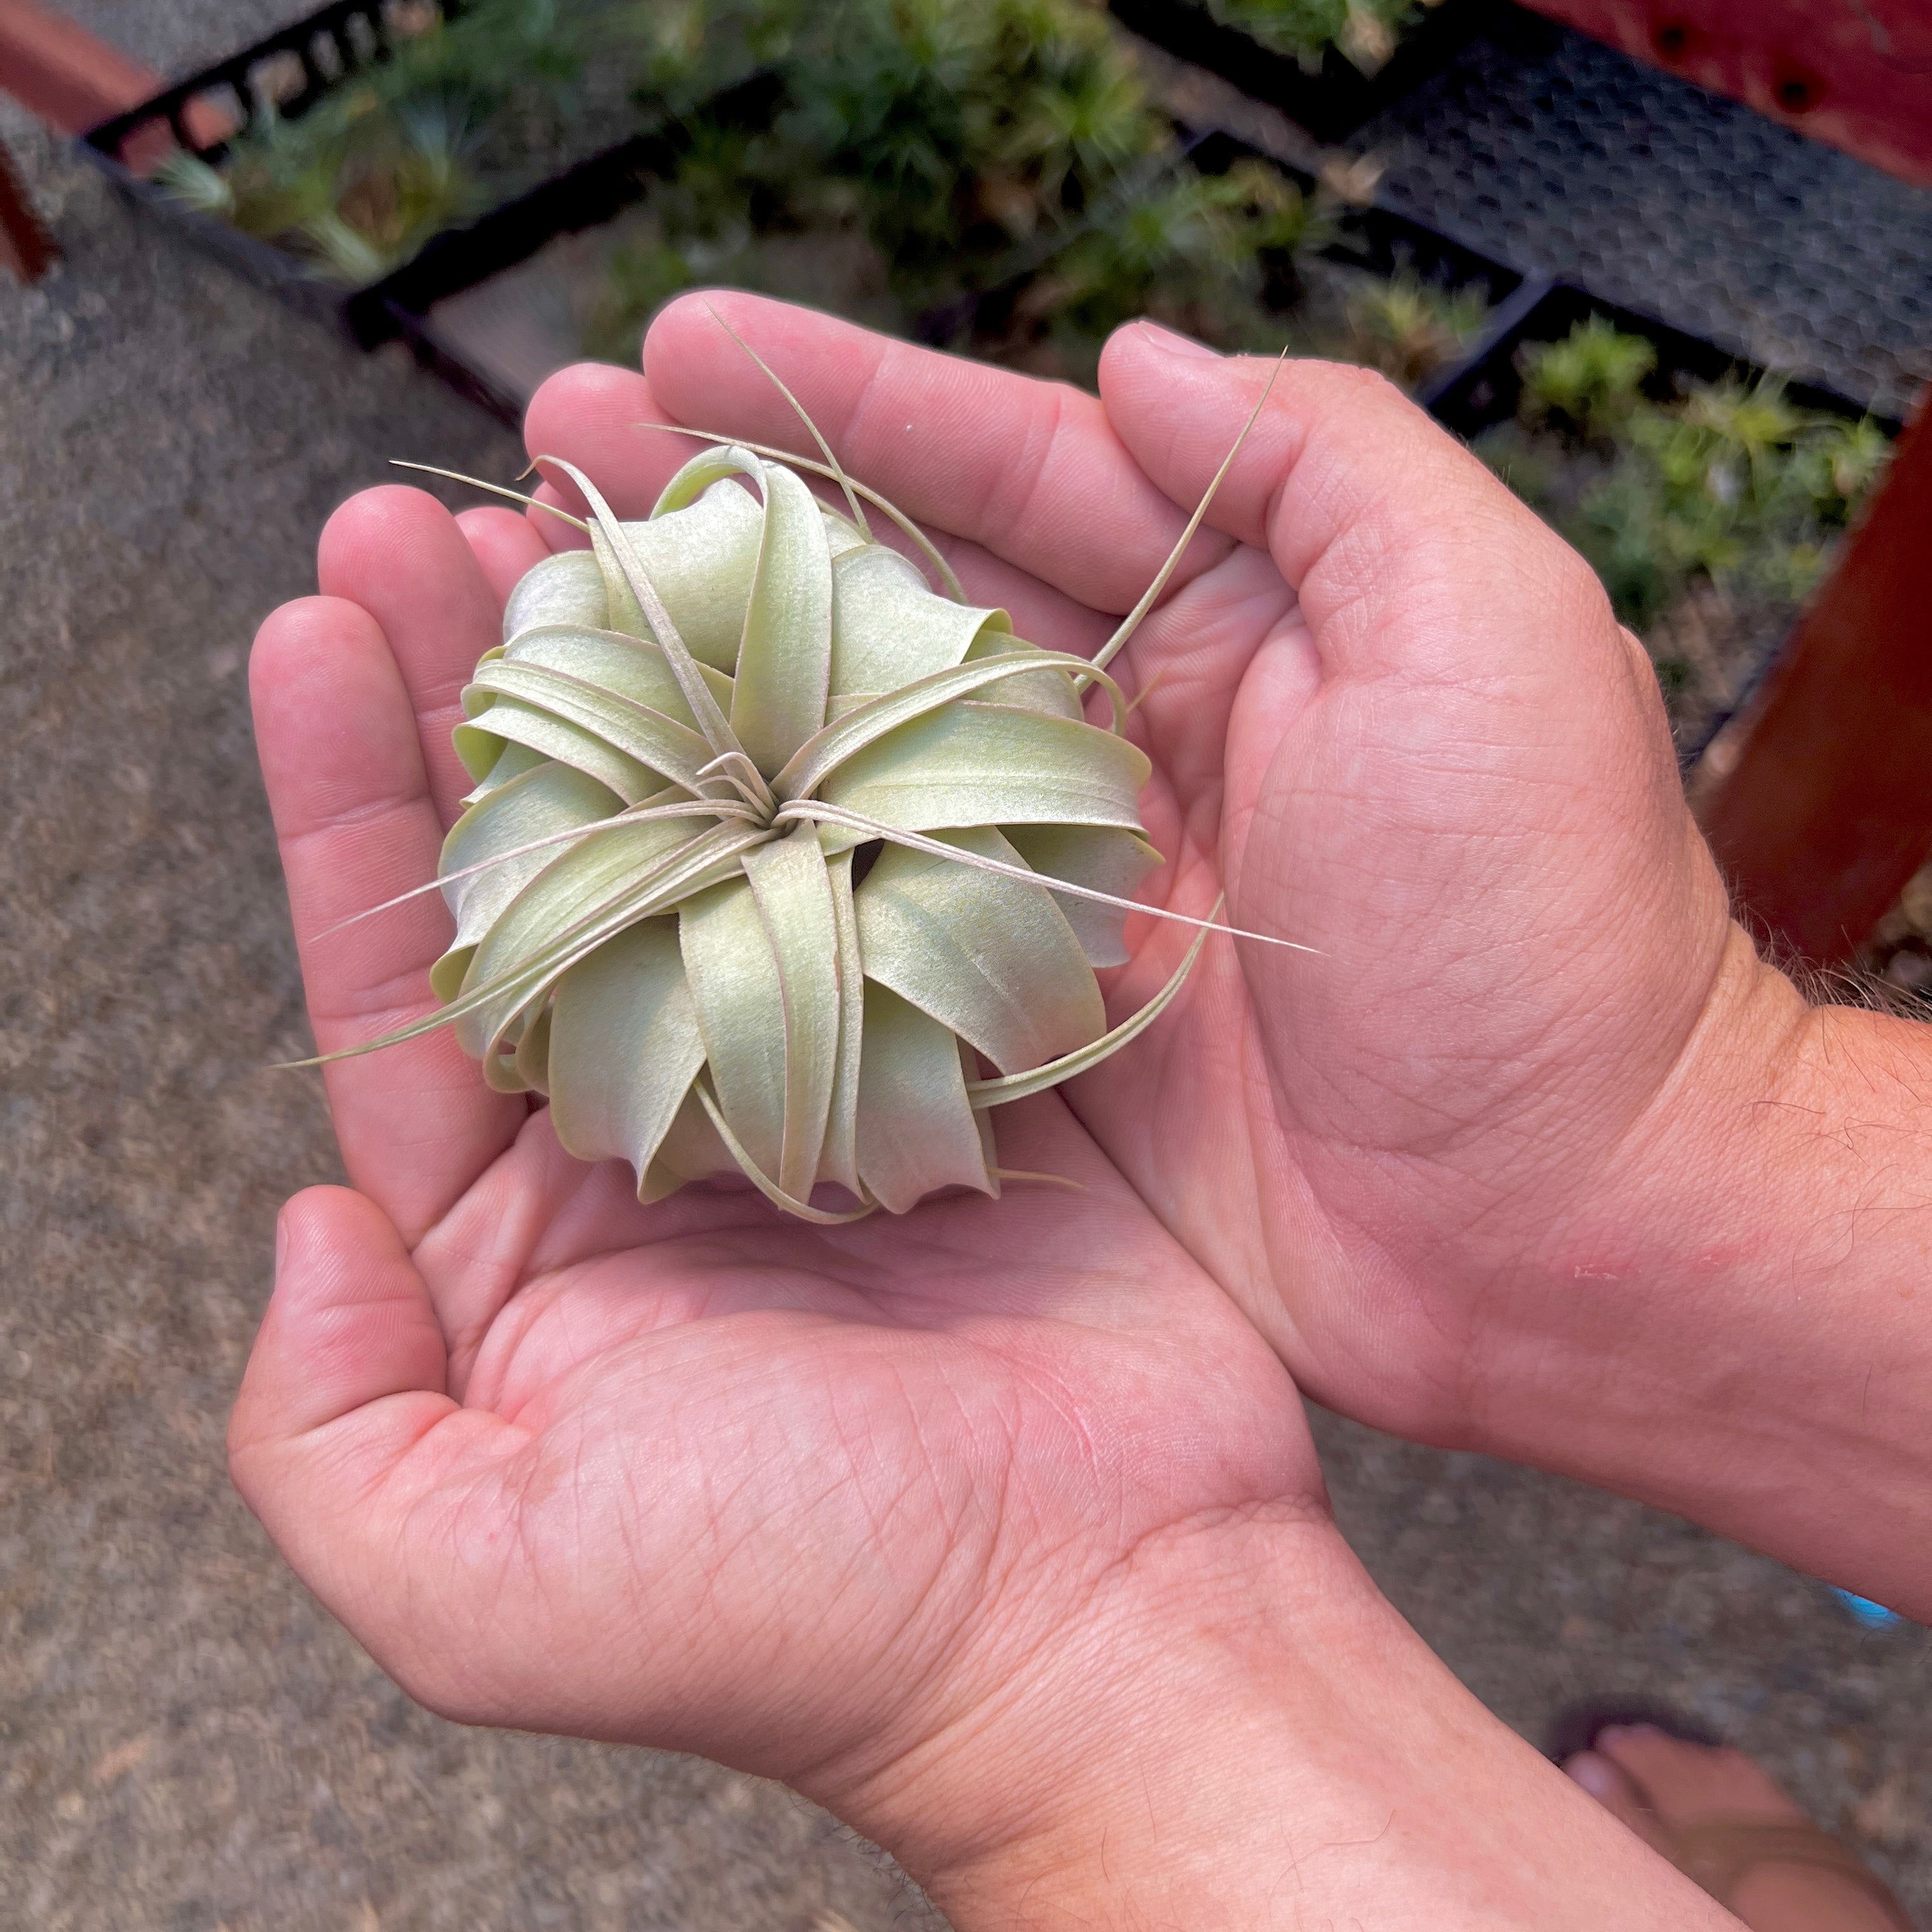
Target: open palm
[{"x": 695, "y": 1473}]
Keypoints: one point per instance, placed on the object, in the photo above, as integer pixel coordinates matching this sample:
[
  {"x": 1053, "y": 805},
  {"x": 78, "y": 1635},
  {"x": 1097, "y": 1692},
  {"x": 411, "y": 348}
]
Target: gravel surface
[{"x": 187, "y": 1742}]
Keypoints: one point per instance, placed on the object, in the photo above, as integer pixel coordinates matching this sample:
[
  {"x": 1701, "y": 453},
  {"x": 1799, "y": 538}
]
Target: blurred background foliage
[
  {"x": 463, "y": 116},
  {"x": 997, "y": 176},
  {"x": 1364, "y": 31},
  {"x": 926, "y": 155},
  {"x": 1708, "y": 509}
]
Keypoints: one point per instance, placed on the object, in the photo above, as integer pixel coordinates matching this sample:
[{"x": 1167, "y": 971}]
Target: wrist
[
  {"x": 1028, "y": 1788},
  {"x": 1239, "y": 1732},
  {"x": 1724, "y": 1322}
]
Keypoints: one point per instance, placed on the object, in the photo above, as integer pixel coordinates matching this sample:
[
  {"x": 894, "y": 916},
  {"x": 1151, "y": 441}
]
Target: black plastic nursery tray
[
  {"x": 1332, "y": 102},
  {"x": 1483, "y": 390},
  {"x": 285, "y": 74},
  {"x": 491, "y": 340},
  {"x": 1381, "y": 241},
  {"x": 1549, "y": 147},
  {"x": 495, "y": 349},
  {"x": 493, "y": 335}
]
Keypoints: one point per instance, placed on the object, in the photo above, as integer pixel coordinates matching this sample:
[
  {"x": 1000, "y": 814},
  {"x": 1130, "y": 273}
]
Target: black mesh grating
[{"x": 1555, "y": 153}]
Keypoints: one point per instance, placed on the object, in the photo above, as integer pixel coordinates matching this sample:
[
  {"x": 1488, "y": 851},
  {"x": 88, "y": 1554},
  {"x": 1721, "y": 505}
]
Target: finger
[
  {"x": 353, "y": 817},
  {"x": 1031, "y": 470},
  {"x": 343, "y": 1424},
  {"x": 398, "y": 553},
  {"x": 594, "y": 416},
  {"x": 345, "y": 1379},
  {"x": 1040, "y": 613},
  {"x": 478, "y": 1555},
  {"x": 591, "y": 415},
  {"x": 350, "y": 1324},
  {"x": 505, "y": 546},
  {"x": 1406, "y": 553},
  {"x": 1460, "y": 649}
]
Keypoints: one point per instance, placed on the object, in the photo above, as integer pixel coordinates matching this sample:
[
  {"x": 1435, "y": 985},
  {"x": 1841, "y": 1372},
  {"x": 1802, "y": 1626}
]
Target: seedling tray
[
  {"x": 1332, "y": 102},
  {"x": 589, "y": 195},
  {"x": 325, "y": 48},
  {"x": 594, "y": 192},
  {"x": 1484, "y": 389},
  {"x": 1375, "y": 240},
  {"x": 294, "y": 68}
]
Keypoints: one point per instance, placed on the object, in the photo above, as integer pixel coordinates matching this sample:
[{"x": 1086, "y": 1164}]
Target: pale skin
[{"x": 997, "y": 1529}]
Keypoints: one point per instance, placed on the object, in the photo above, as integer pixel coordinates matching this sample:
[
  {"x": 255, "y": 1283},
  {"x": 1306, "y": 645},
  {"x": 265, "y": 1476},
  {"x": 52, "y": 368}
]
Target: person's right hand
[
  {"x": 1393, "y": 714},
  {"x": 1535, "y": 1155}
]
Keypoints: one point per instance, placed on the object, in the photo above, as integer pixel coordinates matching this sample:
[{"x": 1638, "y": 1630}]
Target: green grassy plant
[
  {"x": 460, "y": 117},
  {"x": 1727, "y": 484},
  {"x": 1406, "y": 327},
  {"x": 1365, "y": 31},
  {"x": 1590, "y": 383},
  {"x": 995, "y": 169},
  {"x": 943, "y": 151}
]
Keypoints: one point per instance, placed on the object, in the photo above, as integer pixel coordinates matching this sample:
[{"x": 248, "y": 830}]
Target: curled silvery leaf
[{"x": 780, "y": 860}]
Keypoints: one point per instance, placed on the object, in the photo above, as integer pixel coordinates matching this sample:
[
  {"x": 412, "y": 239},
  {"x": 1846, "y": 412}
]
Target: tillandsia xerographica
[{"x": 773, "y": 843}]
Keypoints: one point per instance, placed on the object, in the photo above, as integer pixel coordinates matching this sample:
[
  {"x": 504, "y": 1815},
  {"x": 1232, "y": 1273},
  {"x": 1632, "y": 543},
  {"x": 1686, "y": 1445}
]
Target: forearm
[
  {"x": 1731, "y": 1324},
  {"x": 1253, "y": 1739}
]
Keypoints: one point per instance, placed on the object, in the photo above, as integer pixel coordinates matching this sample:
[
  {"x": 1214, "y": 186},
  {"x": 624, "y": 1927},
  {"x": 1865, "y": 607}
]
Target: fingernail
[
  {"x": 1171, "y": 342},
  {"x": 1593, "y": 1774}
]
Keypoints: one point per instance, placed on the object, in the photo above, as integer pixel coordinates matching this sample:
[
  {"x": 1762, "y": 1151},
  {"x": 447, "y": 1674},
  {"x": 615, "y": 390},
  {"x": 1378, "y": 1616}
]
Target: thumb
[
  {"x": 390, "y": 1500},
  {"x": 346, "y": 1379},
  {"x": 349, "y": 1325},
  {"x": 1406, "y": 553}
]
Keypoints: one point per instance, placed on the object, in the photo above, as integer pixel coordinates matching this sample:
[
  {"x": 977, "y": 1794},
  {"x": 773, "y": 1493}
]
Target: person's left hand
[{"x": 804, "y": 1499}]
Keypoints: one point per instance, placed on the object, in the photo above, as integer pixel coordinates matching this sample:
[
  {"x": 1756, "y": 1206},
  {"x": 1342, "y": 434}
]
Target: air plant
[
  {"x": 944, "y": 152},
  {"x": 1734, "y": 483},
  {"x": 1591, "y": 383},
  {"x": 352, "y": 188},
  {"x": 971, "y": 125},
  {"x": 1201, "y": 252},
  {"x": 773, "y": 843}
]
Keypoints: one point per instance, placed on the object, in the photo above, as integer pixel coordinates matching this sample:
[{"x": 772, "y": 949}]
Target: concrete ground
[{"x": 186, "y": 1741}]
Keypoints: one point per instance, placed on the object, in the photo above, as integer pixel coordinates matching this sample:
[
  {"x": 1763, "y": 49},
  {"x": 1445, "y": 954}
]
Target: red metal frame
[
  {"x": 1855, "y": 73},
  {"x": 1828, "y": 810},
  {"x": 72, "y": 81},
  {"x": 27, "y": 250},
  {"x": 61, "y": 72}
]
